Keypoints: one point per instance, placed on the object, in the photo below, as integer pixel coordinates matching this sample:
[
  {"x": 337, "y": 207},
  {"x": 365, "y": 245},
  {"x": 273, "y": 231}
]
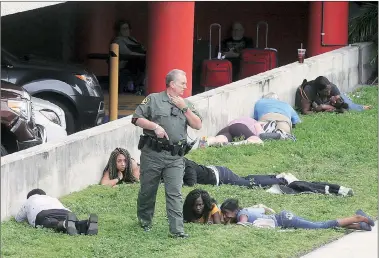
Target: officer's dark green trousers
[{"x": 155, "y": 165}]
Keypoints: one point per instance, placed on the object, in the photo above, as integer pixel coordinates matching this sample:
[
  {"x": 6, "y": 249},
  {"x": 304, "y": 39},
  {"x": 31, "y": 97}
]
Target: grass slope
[{"x": 332, "y": 148}]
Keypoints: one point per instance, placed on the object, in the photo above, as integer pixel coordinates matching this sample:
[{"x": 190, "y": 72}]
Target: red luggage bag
[
  {"x": 215, "y": 72},
  {"x": 255, "y": 60}
]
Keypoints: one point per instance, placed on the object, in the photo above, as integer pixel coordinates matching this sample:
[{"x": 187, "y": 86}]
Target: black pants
[
  {"x": 236, "y": 131},
  {"x": 51, "y": 219},
  {"x": 227, "y": 177}
]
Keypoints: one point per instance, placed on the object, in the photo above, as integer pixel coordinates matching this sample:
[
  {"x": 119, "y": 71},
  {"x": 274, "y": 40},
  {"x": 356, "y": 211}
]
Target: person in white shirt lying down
[{"x": 42, "y": 210}]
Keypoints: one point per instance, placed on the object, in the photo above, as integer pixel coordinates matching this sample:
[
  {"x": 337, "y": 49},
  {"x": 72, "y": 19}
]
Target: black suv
[{"x": 70, "y": 87}]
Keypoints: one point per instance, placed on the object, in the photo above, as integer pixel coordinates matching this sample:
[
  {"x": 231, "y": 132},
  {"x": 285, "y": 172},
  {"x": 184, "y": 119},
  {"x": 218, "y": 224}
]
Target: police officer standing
[{"x": 164, "y": 118}]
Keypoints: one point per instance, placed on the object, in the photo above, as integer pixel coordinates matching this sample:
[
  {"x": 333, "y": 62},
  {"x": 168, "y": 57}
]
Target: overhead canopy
[{"x": 18, "y": 7}]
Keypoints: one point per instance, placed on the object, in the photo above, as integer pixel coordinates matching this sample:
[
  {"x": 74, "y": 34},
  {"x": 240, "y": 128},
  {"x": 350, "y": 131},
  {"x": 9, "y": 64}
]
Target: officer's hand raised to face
[
  {"x": 160, "y": 132},
  {"x": 178, "y": 102}
]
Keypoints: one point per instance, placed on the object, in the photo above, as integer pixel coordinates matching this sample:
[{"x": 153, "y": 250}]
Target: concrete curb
[{"x": 355, "y": 245}]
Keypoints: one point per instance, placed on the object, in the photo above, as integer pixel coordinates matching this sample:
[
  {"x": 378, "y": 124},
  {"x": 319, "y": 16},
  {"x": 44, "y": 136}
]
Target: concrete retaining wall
[{"x": 77, "y": 161}]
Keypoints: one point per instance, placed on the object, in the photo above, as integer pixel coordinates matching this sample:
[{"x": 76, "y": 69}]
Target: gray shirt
[{"x": 34, "y": 205}]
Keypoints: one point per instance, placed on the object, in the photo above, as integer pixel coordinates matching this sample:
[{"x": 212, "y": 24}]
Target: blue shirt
[
  {"x": 254, "y": 214},
  {"x": 264, "y": 106}
]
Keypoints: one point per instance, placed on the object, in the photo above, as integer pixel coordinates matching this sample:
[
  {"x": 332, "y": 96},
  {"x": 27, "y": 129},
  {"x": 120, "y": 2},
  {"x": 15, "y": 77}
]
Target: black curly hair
[
  {"x": 321, "y": 83},
  {"x": 188, "y": 214}
]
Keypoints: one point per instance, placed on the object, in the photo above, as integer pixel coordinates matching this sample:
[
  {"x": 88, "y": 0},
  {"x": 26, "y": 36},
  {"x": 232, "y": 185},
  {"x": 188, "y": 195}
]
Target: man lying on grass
[
  {"x": 233, "y": 213},
  {"x": 284, "y": 183},
  {"x": 42, "y": 210}
]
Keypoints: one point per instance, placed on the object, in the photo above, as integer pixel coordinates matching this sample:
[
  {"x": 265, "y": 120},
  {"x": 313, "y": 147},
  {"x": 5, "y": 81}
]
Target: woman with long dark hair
[{"x": 121, "y": 168}]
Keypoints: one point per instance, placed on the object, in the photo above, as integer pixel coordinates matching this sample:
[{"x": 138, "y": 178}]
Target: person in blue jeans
[
  {"x": 317, "y": 95},
  {"x": 233, "y": 213},
  {"x": 269, "y": 108}
]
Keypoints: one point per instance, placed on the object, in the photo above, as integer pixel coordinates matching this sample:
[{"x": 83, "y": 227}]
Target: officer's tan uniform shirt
[{"x": 158, "y": 108}]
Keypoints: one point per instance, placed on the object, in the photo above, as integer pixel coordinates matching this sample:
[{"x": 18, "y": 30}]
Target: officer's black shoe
[
  {"x": 179, "y": 235},
  {"x": 69, "y": 224},
  {"x": 92, "y": 225},
  {"x": 146, "y": 228}
]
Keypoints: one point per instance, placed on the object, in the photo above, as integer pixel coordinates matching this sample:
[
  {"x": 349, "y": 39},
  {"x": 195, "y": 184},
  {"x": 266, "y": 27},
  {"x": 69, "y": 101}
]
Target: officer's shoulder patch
[{"x": 145, "y": 101}]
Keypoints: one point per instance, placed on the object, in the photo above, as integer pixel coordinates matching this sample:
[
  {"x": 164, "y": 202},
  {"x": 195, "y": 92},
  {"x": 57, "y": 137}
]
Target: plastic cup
[{"x": 301, "y": 55}]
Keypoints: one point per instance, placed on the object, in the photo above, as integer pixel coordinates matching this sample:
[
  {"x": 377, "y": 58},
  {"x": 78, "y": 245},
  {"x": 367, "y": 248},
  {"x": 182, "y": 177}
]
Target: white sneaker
[
  {"x": 281, "y": 175},
  {"x": 290, "y": 178},
  {"x": 275, "y": 189}
]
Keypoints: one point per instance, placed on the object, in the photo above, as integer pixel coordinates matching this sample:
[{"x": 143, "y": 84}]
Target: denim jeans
[
  {"x": 352, "y": 105},
  {"x": 286, "y": 219},
  {"x": 227, "y": 177}
]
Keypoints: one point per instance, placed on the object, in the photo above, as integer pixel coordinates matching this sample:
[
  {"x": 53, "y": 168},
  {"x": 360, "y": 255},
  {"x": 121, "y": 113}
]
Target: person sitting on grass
[
  {"x": 247, "y": 128},
  {"x": 121, "y": 168},
  {"x": 320, "y": 95},
  {"x": 233, "y": 213},
  {"x": 42, "y": 210},
  {"x": 199, "y": 207}
]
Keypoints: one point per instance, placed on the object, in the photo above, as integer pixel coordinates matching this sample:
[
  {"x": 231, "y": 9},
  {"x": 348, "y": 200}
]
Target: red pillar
[
  {"x": 328, "y": 27},
  {"x": 170, "y": 46},
  {"x": 95, "y": 32}
]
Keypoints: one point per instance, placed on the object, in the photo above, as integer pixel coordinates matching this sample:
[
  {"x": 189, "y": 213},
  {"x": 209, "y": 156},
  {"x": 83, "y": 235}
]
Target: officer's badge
[{"x": 145, "y": 101}]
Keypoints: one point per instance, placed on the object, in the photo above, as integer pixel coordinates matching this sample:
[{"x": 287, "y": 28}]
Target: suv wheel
[
  {"x": 3, "y": 151},
  {"x": 70, "y": 119}
]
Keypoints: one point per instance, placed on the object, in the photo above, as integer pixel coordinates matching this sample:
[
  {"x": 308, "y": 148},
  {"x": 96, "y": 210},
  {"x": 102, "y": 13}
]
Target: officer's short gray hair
[
  {"x": 271, "y": 95},
  {"x": 173, "y": 75}
]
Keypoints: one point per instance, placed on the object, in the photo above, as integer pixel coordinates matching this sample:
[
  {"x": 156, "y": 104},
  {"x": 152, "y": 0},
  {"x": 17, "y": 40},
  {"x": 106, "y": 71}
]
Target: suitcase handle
[
  {"x": 258, "y": 25},
  {"x": 210, "y": 38}
]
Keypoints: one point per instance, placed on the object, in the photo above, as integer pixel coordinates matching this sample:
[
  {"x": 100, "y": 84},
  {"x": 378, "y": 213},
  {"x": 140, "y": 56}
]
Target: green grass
[{"x": 331, "y": 147}]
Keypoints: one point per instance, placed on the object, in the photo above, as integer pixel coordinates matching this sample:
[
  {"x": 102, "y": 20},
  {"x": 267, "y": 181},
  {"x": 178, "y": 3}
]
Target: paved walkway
[{"x": 354, "y": 245}]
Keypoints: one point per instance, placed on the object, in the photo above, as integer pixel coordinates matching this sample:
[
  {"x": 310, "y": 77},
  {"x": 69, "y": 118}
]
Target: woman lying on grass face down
[
  {"x": 199, "y": 207},
  {"x": 121, "y": 168},
  {"x": 233, "y": 213}
]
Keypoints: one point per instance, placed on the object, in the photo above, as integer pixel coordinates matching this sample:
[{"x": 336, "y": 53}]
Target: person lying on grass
[
  {"x": 284, "y": 183},
  {"x": 45, "y": 211},
  {"x": 219, "y": 175},
  {"x": 121, "y": 168},
  {"x": 233, "y": 213},
  {"x": 245, "y": 128},
  {"x": 320, "y": 95},
  {"x": 199, "y": 207}
]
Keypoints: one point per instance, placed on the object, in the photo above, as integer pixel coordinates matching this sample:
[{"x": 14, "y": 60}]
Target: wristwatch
[{"x": 185, "y": 109}]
